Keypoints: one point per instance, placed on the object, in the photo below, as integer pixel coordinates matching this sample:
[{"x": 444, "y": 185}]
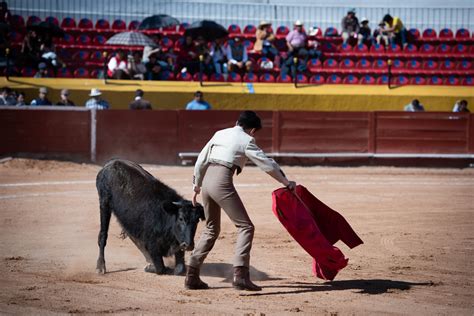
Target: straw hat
[
  {"x": 264, "y": 23},
  {"x": 95, "y": 92}
]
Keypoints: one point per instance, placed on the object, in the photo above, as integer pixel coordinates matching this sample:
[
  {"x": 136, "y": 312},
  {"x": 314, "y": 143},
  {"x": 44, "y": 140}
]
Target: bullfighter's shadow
[
  {"x": 363, "y": 286},
  {"x": 225, "y": 270}
]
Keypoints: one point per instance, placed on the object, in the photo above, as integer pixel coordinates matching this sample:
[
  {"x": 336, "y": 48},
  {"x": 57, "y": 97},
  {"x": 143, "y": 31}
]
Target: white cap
[
  {"x": 95, "y": 92},
  {"x": 298, "y": 23},
  {"x": 363, "y": 20}
]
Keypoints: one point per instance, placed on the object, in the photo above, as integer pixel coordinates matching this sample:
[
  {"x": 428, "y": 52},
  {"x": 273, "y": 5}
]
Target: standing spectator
[
  {"x": 118, "y": 66},
  {"x": 264, "y": 41},
  {"x": 64, "y": 98},
  {"x": 198, "y": 103},
  {"x": 96, "y": 102},
  {"x": 42, "y": 98},
  {"x": 42, "y": 71},
  {"x": 20, "y": 99},
  {"x": 381, "y": 34},
  {"x": 218, "y": 55},
  {"x": 139, "y": 103},
  {"x": 296, "y": 39},
  {"x": 461, "y": 106},
  {"x": 365, "y": 33},
  {"x": 6, "y": 97},
  {"x": 350, "y": 26},
  {"x": 414, "y": 106},
  {"x": 396, "y": 29},
  {"x": 136, "y": 68},
  {"x": 4, "y": 13},
  {"x": 237, "y": 56}
]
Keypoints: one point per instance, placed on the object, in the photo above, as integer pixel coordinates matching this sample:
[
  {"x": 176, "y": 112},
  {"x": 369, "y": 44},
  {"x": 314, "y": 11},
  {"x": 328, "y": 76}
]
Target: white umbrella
[{"x": 130, "y": 39}]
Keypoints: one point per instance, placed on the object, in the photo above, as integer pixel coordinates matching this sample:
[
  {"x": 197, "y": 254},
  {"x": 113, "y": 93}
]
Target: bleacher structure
[{"x": 431, "y": 58}]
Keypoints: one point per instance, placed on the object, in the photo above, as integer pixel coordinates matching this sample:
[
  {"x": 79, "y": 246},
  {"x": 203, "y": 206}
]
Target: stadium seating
[
  {"x": 267, "y": 77},
  {"x": 52, "y": 20},
  {"x": 119, "y": 26},
  {"x": 446, "y": 34},
  {"x": 331, "y": 32},
  {"x": 250, "y": 77},
  {"x": 281, "y": 32},
  {"x": 334, "y": 79},
  {"x": 367, "y": 79},
  {"x": 68, "y": 23},
  {"x": 102, "y": 25},
  {"x": 350, "y": 79},
  {"x": 65, "y": 73},
  {"x": 383, "y": 79},
  {"x": 317, "y": 79},
  {"x": 430, "y": 35},
  {"x": 184, "y": 76},
  {"x": 234, "y": 77},
  {"x": 32, "y": 19},
  {"x": 217, "y": 77},
  {"x": 249, "y": 31},
  {"x": 85, "y": 24},
  {"x": 314, "y": 65},
  {"x": 401, "y": 80},
  {"x": 418, "y": 80},
  {"x": 17, "y": 22},
  {"x": 196, "y": 77},
  {"x": 234, "y": 30},
  {"x": 300, "y": 78},
  {"x": 452, "y": 81},
  {"x": 81, "y": 73},
  {"x": 284, "y": 78},
  {"x": 133, "y": 25},
  {"x": 435, "y": 81}
]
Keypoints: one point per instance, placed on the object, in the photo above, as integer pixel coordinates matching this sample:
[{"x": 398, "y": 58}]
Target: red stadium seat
[
  {"x": 97, "y": 57},
  {"x": 68, "y": 23},
  {"x": 282, "y": 31},
  {"x": 16, "y": 37},
  {"x": 334, "y": 79},
  {"x": 67, "y": 40},
  {"x": 52, "y": 20},
  {"x": 168, "y": 75},
  {"x": 452, "y": 81},
  {"x": 28, "y": 72},
  {"x": 377, "y": 49},
  {"x": 267, "y": 78},
  {"x": 435, "y": 81},
  {"x": 97, "y": 73},
  {"x": 427, "y": 49},
  {"x": 380, "y": 64},
  {"x": 327, "y": 47},
  {"x": 32, "y": 19},
  {"x": 65, "y": 73},
  {"x": 184, "y": 76},
  {"x": 331, "y": 32},
  {"x": 350, "y": 79},
  {"x": 314, "y": 65},
  {"x": 85, "y": 24},
  {"x": 401, "y": 80},
  {"x": 133, "y": 25},
  {"x": 394, "y": 49},
  {"x": 317, "y": 79},
  {"x": 83, "y": 41},
  {"x": 300, "y": 78},
  {"x": 446, "y": 34},
  {"x": 346, "y": 63},
  {"x": 119, "y": 25},
  {"x": 284, "y": 78},
  {"x": 443, "y": 49},
  {"x": 167, "y": 43},
  {"x": 468, "y": 81},
  {"x": 463, "y": 34},
  {"x": 460, "y": 49},
  {"x": 364, "y": 64},
  {"x": 248, "y": 44},
  {"x": 102, "y": 25},
  {"x": 234, "y": 30},
  {"x": 234, "y": 77},
  {"x": 418, "y": 80},
  {"x": 250, "y": 77},
  {"x": 361, "y": 49},
  {"x": 429, "y": 34},
  {"x": 345, "y": 48},
  {"x": 81, "y": 73},
  {"x": 431, "y": 65},
  {"x": 17, "y": 22},
  {"x": 367, "y": 79},
  {"x": 464, "y": 65},
  {"x": 447, "y": 65},
  {"x": 99, "y": 40},
  {"x": 398, "y": 64},
  {"x": 410, "y": 49},
  {"x": 81, "y": 56},
  {"x": 249, "y": 31},
  {"x": 413, "y": 64},
  {"x": 217, "y": 77},
  {"x": 196, "y": 77},
  {"x": 330, "y": 63},
  {"x": 415, "y": 33},
  {"x": 383, "y": 79}
]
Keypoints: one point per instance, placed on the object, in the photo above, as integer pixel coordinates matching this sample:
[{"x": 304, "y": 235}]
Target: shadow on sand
[{"x": 225, "y": 270}]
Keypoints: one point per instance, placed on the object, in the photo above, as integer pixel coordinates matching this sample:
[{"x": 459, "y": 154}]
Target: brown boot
[
  {"x": 242, "y": 280},
  {"x": 192, "y": 281}
]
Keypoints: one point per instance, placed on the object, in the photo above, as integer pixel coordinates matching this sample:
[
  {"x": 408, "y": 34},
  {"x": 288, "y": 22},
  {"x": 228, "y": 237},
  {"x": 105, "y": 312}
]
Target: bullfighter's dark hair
[{"x": 249, "y": 119}]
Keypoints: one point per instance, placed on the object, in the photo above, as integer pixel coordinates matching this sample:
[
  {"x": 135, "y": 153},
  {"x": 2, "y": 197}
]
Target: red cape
[{"x": 316, "y": 227}]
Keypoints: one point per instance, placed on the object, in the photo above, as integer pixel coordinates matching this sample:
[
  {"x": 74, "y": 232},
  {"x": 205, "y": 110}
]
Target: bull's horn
[{"x": 180, "y": 203}]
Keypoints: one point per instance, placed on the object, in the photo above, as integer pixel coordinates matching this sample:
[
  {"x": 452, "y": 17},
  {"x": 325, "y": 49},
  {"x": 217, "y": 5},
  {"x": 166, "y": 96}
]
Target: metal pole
[
  {"x": 105, "y": 67},
  {"x": 7, "y": 54},
  {"x": 389, "y": 62},
  {"x": 93, "y": 135},
  {"x": 201, "y": 61},
  {"x": 295, "y": 71}
]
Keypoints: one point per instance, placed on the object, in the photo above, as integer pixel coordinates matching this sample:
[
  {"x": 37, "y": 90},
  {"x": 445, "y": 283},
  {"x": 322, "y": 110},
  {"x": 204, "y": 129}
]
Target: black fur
[{"x": 156, "y": 218}]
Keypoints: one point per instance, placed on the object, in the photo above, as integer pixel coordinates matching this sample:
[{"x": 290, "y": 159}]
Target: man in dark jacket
[{"x": 140, "y": 103}]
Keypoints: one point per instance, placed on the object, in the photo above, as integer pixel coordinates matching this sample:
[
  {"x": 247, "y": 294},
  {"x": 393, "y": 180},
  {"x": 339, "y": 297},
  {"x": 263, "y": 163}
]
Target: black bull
[{"x": 156, "y": 218}]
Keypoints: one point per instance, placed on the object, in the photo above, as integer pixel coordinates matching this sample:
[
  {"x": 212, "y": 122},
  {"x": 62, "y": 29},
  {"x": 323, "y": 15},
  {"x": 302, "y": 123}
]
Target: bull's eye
[{"x": 180, "y": 219}]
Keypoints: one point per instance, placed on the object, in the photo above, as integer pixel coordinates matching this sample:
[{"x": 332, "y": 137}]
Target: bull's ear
[{"x": 169, "y": 206}]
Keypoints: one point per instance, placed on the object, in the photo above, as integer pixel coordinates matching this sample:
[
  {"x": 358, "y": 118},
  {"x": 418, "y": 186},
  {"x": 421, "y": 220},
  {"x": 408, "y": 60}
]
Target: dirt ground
[{"x": 417, "y": 225}]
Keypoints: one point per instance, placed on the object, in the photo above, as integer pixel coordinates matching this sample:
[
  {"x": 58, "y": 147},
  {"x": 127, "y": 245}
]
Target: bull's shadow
[
  {"x": 363, "y": 286},
  {"x": 225, "y": 270}
]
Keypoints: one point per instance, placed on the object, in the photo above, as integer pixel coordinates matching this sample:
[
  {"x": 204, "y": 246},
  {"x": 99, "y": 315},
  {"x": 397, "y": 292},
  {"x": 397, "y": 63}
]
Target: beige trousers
[{"x": 218, "y": 192}]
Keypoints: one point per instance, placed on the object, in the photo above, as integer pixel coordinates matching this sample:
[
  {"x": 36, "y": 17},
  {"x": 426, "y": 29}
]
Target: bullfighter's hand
[
  {"x": 291, "y": 185},
  {"x": 196, "y": 190}
]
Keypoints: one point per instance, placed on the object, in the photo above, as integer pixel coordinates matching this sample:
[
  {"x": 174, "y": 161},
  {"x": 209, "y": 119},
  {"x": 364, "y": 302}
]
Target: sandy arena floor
[{"x": 417, "y": 225}]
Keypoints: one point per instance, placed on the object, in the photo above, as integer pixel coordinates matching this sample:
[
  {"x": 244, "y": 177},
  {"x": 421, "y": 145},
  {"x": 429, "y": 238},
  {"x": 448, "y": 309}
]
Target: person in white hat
[
  {"x": 96, "y": 102},
  {"x": 364, "y": 31},
  {"x": 296, "y": 39}
]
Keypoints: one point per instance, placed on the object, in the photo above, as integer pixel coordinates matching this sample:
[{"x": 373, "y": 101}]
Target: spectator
[
  {"x": 42, "y": 71},
  {"x": 237, "y": 58},
  {"x": 4, "y": 13},
  {"x": 51, "y": 59},
  {"x": 30, "y": 50},
  {"x": 118, "y": 66},
  {"x": 188, "y": 58},
  {"x": 365, "y": 33},
  {"x": 155, "y": 67},
  {"x": 381, "y": 34},
  {"x": 42, "y": 98},
  {"x": 461, "y": 106},
  {"x": 414, "y": 106},
  {"x": 396, "y": 30},
  {"x": 295, "y": 64},
  {"x": 136, "y": 68},
  {"x": 20, "y": 99},
  {"x": 296, "y": 39},
  {"x": 139, "y": 103},
  {"x": 64, "y": 98},
  {"x": 264, "y": 41},
  {"x": 6, "y": 97},
  {"x": 96, "y": 102},
  {"x": 218, "y": 55},
  {"x": 350, "y": 26},
  {"x": 204, "y": 53},
  {"x": 198, "y": 103},
  {"x": 148, "y": 50}
]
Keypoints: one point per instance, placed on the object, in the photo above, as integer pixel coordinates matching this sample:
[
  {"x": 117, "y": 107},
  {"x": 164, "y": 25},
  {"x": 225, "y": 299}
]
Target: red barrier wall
[
  {"x": 158, "y": 136},
  {"x": 46, "y": 133}
]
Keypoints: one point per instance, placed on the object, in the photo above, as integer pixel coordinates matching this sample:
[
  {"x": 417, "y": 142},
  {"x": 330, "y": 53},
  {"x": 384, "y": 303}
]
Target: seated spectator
[
  {"x": 264, "y": 41},
  {"x": 237, "y": 58},
  {"x": 42, "y": 71},
  {"x": 64, "y": 98},
  {"x": 139, "y": 103},
  {"x": 188, "y": 58},
  {"x": 414, "y": 106},
  {"x": 218, "y": 55},
  {"x": 42, "y": 98},
  {"x": 296, "y": 39},
  {"x": 96, "y": 102},
  {"x": 365, "y": 33},
  {"x": 117, "y": 68},
  {"x": 198, "y": 103},
  {"x": 381, "y": 34},
  {"x": 396, "y": 30},
  {"x": 205, "y": 59},
  {"x": 136, "y": 68},
  {"x": 20, "y": 99},
  {"x": 295, "y": 64},
  {"x": 155, "y": 68},
  {"x": 461, "y": 106},
  {"x": 6, "y": 97},
  {"x": 349, "y": 26}
]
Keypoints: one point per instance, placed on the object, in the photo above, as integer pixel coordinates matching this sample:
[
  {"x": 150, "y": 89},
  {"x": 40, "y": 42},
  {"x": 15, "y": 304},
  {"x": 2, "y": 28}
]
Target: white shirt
[
  {"x": 112, "y": 65},
  {"x": 232, "y": 146}
]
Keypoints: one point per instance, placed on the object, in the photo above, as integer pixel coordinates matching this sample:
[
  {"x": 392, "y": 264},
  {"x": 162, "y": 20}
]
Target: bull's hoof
[
  {"x": 150, "y": 268},
  {"x": 179, "y": 269}
]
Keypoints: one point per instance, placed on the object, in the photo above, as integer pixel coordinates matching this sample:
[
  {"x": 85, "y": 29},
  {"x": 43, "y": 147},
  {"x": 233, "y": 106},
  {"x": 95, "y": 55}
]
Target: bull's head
[{"x": 186, "y": 217}]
